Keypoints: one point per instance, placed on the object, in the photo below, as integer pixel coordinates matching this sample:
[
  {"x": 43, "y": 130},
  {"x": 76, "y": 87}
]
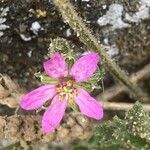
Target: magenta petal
[
  {"x": 56, "y": 66},
  {"x": 37, "y": 97},
  {"x": 53, "y": 115},
  {"x": 88, "y": 105},
  {"x": 85, "y": 67}
]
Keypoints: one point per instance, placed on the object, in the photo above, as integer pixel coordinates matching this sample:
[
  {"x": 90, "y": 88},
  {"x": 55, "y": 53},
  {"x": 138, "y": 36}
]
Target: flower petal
[
  {"x": 85, "y": 67},
  {"x": 56, "y": 66},
  {"x": 88, "y": 105},
  {"x": 53, "y": 115},
  {"x": 37, "y": 97}
]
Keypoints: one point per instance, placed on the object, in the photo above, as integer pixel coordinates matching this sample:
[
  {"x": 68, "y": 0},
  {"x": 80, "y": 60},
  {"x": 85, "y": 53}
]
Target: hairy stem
[
  {"x": 113, "y": 93},
  {"x": 71, "y": 17}
]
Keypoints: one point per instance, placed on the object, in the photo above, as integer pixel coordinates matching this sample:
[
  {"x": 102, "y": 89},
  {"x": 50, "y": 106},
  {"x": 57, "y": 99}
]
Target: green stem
[{"x": 71, "y": 17}]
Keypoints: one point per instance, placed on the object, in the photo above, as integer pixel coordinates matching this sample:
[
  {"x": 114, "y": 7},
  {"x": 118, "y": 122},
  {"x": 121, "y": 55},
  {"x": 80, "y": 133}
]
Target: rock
[
  {"x": 76, "y": 131},
  {"x": 83, "y": 121},
  {"x": 70, "y": 122},
  {"x": 62, "y": 133}
]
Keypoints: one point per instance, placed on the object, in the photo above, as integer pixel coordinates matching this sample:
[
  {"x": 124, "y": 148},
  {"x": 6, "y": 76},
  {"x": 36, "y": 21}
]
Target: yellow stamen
[
  {"x": 66, "y": 90},
  {"x": 75, "y": 92},
  {"x": 59, "y": 89},
  {"x": 69, "y": 83},
  {"x": 60, "y": 97}
]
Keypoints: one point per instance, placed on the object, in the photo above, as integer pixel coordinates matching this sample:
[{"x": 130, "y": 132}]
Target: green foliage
[
  {"x": 71, "y": 53},
  {"x": 45, "y": 78},
  {"x": 131, "y": 133},
  {"x": 66, "y": 48},
  {"x": 93, "y": 82},
  {"x": 14, "y": 146}
]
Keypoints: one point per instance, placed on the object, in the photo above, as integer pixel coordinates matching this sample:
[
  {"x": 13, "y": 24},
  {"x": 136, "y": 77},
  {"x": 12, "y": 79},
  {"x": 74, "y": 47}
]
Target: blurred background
[{"x": 28, "y": 26}]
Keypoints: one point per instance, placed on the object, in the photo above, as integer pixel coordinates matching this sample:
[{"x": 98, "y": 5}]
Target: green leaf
[
  {"x": 132, "y": 132},
  {"x": 66, "y": 48},
  {"x": 45, "y": 78}
]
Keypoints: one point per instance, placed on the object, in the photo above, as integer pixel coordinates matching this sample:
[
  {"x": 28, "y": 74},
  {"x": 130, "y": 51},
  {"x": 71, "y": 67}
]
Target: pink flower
[{"x": 65, "y": 91}]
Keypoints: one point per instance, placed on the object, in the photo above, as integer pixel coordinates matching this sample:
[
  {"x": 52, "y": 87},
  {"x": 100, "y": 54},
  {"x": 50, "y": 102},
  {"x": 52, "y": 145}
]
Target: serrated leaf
[{"x": 118, "y": 134}]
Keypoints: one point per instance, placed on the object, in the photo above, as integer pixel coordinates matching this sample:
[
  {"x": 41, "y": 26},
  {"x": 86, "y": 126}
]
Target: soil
[{"x": 20, "y": 59}]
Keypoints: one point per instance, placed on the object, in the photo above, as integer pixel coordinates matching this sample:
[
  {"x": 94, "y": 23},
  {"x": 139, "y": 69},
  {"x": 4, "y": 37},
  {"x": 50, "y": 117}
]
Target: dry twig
[
  {"x": 10, "y": 92},
  {"x": 115, "y": 92},
  {"x": 122, "y": 106}
]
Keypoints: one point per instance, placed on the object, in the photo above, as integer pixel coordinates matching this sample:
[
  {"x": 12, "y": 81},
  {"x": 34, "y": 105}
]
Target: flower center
[{"x": 66, "y": 90}]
